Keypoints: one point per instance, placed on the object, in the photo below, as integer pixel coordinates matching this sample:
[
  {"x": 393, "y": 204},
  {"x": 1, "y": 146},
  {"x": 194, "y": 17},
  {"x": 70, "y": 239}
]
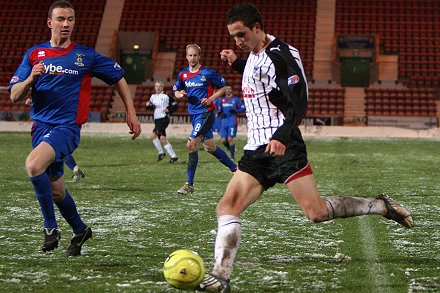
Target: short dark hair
[
  {"x": 59, "y": 4},
  {"x": 245, "y": 12}
]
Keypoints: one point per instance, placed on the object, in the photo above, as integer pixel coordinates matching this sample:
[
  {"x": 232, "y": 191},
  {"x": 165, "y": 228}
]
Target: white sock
[
  {"x": 347, "y": 206},
  {"x": 169, "y": 150},
  {"x": 158, "y": 146},
  {"x": 76, "y": 168},
  {"x": 226, "y": 245}
]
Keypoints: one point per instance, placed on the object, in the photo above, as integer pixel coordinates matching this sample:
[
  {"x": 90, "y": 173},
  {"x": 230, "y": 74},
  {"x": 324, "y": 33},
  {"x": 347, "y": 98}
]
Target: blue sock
[
  {"x": 70, "y": 162},
  {"x": 68, "y": 210},
  {"x": 193, "y": 160},
  {"x": 43, "y": 191},
  {"x": 224, "y": 159},
  {"x": 232, "y": 150}
]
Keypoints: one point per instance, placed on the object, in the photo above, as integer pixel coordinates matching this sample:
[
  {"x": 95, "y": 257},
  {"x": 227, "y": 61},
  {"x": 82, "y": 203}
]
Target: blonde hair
[{"x": 193, "y": 46}]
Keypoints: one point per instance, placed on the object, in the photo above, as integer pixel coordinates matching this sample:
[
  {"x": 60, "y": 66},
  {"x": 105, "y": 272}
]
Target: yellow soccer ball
[{"x": 184, "y": 269}]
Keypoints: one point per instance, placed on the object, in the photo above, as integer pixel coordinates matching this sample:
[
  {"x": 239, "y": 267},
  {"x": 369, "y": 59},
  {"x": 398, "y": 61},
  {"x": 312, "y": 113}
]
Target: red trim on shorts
[{"x": 307, "y": 170}]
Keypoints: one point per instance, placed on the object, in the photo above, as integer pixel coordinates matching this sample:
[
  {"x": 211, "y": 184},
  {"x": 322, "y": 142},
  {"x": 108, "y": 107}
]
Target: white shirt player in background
[
  {"x": 163, "y": 105},
  {"x": 275, "y": 94}
]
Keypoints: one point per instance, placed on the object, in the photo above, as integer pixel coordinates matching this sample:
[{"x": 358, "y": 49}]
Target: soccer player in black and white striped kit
[
  {"x": 163, "y": 105},
  {"x": 275, "y": 94}
]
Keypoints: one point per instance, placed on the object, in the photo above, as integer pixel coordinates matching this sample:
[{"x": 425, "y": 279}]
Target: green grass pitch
[{"x": 130, "y": 200}]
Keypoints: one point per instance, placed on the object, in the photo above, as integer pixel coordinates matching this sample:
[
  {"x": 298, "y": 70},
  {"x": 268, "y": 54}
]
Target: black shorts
[
  {"x": 269, "y": 170},
  {"x": 160, "y": 125}
]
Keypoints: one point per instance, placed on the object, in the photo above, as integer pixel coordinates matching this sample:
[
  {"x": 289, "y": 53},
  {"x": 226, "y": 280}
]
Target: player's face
[
  {"x": 229, "y": 91},
  {"x": 158, "y": 88},
  {"x": 193, "y": 56},
  {"x": 62, "y": 23},
  {"x": 245, "y": 38}
]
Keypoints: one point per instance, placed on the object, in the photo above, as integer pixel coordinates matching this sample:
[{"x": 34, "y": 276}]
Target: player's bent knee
[{"x": 32, "y": 168}]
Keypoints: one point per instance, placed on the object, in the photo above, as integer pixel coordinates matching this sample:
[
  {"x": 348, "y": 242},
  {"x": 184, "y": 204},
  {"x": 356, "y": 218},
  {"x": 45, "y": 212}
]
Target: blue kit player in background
[
  {"x": 229, "y": 107},
  {"x": 59, "y": 72},
  {"x": 197, "y": 83},
  {"x": 218, "y": 118}
]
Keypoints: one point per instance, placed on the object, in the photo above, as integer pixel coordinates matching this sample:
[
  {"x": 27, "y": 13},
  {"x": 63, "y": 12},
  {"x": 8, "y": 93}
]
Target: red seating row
[
  {"x": 177, "y": 28},
  {"x": 400, "y": 102},
  {"x": 324, "y": 102}
]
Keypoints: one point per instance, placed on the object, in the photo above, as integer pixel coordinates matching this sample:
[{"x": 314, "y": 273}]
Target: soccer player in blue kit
[
  {"x": 230, "y": 105},
  {"x": 218, "y": 118},
  {"x": 59, "y": 73},
  {"x": 197, "y": 83}
]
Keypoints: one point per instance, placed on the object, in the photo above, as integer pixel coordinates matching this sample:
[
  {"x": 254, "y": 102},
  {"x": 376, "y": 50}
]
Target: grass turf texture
[{"x": 138, "y": 218}]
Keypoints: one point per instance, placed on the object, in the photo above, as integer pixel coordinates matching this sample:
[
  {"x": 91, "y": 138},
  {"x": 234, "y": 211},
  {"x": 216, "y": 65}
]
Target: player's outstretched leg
[
  {"x": 397, "y": 212},
  {"x": 347, "y": 206}
]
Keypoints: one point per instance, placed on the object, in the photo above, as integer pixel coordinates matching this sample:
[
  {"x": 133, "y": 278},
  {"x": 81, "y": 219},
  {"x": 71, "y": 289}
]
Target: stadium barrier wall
[{"x": 183, "y": 130}]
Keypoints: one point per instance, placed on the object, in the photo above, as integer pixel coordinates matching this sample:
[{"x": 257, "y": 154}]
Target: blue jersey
[
  {"x": 198, "y": 85},
  {"x": 62, "y": 94},
  {"x": 229, "y": 108}
]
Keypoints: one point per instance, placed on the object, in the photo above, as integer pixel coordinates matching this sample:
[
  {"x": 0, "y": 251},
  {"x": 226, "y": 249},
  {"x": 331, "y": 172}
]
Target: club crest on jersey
[
  {"x": 294, "y": 79},
  {"x": 79, "y": 60},
  {"x": 203, "y": 78}
]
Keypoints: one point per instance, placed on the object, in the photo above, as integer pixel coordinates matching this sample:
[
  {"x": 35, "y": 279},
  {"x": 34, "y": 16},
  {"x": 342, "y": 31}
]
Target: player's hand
[
  {"x": 228, "y": 55},
  {"x": 37, "y": 71},
  {"x": 206, "y": 101},
  {"x": 275, "y": 148},
  {"x": 134, "y": 125},
  {"x": 180, "y": 94}
]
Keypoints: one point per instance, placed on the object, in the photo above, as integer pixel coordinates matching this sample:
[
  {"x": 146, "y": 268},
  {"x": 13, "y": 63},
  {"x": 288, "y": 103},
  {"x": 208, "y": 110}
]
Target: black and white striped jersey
[
  {"x": 160, "y": 102},
  {"x": 275, "y": 94}
]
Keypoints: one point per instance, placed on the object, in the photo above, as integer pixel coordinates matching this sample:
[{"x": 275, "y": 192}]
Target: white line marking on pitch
[{"x": 376, "y": 270}]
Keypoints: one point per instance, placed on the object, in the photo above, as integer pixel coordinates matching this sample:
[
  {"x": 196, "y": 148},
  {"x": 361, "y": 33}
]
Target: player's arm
[
  {"x": 218, "y": 93},
  {"x": 240, "y": 106},
  {"x": 132, "y": 121},
  {"x": 149, "y": 104},
  {"x": 294, "y": 92},
  {"x": 172, "y": 104},
  {"x": 179, "y": 88},
  {"x": 230, "y": 57},
  {"x": 20, "y": 90}
]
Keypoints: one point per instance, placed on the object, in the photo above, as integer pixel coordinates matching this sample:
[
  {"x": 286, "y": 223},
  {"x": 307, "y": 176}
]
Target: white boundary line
[{"x": 376, "y": 270}]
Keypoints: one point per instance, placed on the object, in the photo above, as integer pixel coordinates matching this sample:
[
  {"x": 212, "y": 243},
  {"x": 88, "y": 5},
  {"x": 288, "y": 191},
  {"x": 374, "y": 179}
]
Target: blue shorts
[
  {"x": 63, "y": 139},
  {"x": 217, "y": 125},
  {"x": 202, "y": 125},
  {"x": 228, "y": 131}
]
